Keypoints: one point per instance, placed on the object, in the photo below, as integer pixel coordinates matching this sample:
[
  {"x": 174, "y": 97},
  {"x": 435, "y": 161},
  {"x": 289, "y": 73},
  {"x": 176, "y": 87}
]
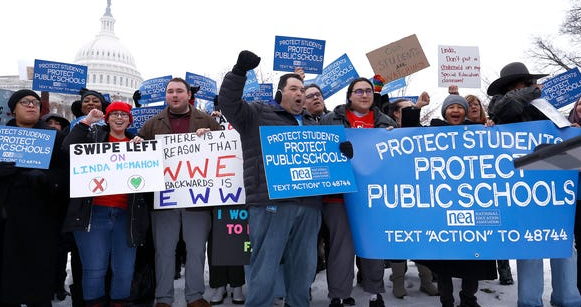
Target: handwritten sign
[
  {"x": 291, "y": 52},
  {"x": 305, "y": 161},
  {"x": 153, "y": 90},
  {"x": 335, "y": 76},
  {"x": 230, "y": 236},
  {"x": 58, "y": 77},
  {"x": 208, "y": 89},
  {"x": 28, "y": 147},
  {"x": 562, "y": 89},
  {"x": 458, "y": 65},
  {"x": 453, "y": 193},
  {"x": 115, "y": 168},
  {"x": 201, "y": 171},
  {"x": 398, "y": 59}
]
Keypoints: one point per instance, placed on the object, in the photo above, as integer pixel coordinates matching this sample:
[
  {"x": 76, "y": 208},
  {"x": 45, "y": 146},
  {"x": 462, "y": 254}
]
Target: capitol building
[{"x": 110, "y": 65}]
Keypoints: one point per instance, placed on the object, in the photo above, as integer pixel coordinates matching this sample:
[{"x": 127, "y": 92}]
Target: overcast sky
[{"x": 171, "y": 37}]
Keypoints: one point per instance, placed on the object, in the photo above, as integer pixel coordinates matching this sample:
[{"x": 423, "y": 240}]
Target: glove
[
  {"x": 136, "y": 98},
  {"x": 346, "y": 148},
  {"x": 36, "y": 177},
  {"x": 247, "y": 60},
  {"x": 7, "y": 168}
]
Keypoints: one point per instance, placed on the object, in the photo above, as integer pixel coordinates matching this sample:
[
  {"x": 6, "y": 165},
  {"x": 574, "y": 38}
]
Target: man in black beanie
[{"x": 19, "y": 95}]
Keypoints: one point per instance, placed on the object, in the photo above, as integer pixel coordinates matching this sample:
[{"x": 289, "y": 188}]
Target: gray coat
[{"x": 246, "y": 118}]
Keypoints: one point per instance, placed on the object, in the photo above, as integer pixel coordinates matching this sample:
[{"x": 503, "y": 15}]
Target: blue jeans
[
  {"x": 563, "y": 281},
  {"x": 287, "y": 236},
  {"x": 107, "y": 239}
]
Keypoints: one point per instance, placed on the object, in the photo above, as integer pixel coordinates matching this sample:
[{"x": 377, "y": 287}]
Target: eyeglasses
[
  {"x": 359, "y": 92},
  {"x": 26, "y": 102},
  {"x": 313, "y": 95},
  {"x": 120, "y": 114}
]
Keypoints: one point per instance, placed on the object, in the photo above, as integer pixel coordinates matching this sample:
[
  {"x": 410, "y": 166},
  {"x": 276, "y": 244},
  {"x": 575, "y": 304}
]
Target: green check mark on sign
[{"x": 136, "y": 182}]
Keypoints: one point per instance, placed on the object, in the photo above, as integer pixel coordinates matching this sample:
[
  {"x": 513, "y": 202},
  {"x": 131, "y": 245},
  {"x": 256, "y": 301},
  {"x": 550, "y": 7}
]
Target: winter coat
[
  {"x": 246, "y": 118},
  {"x": 339, "y": 117},
  {"x": 29, "y": 227},
  {"x": 515, "y": 107},
  {"x": 78, "y": 216},
  {"x": 478, "y": 269}
]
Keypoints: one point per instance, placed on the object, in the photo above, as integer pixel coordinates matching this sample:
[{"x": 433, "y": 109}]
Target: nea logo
[
  {"x": 301, "y": 173},
  {"x": 460, "y": 217}
]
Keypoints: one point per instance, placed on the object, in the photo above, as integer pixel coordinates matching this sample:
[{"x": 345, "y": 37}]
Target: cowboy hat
[{"x": 509, "y": 74}]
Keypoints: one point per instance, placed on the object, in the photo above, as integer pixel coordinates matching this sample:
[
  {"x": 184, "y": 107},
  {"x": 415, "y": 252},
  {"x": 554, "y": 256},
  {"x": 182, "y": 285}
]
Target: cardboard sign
[
  {"x": 453, "y": 193},
  {"x": 59, "y": 77},
  {"x": 458, "y": 65},
  {"x": 398, "y": 59}
]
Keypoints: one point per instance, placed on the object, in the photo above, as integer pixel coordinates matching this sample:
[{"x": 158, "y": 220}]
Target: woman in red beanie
[{"x": 117, "y": 223}]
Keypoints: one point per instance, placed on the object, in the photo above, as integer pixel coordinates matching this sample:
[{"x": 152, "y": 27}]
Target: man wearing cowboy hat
[{"x": 513, "y": 92}]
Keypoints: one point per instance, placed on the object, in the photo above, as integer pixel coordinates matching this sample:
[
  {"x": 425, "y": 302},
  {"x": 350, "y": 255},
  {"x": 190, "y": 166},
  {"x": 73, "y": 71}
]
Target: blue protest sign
[
  {"x": 264, "y": 93},
  {"x": 305, "y": 161},
  {"x": 251, "y": 84},
  {"x": 28, "y": 147},
  {"x": 58, "y": 77},
  {"x": 141, "y": 115},
  {"x": 453, "y": 193},
  {"x": 291, "y": 52},
  {"x": 413, "y": 99},
  {"x": 153, "y": 90},
  {"x": 562, "y": 89},
  {"x": 336, "y": 76},
  {"x": 393, "y": 86},
  {"x": 208, "y": 89}
]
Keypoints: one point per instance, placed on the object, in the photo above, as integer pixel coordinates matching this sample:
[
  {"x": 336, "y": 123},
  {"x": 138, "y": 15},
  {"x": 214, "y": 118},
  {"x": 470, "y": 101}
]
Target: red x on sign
[{"x": 98, "y": 185}]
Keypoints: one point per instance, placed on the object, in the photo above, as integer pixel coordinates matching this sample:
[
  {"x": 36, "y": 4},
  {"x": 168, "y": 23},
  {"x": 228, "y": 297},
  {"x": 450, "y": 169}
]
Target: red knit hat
[{"x": 119, "y": 106}]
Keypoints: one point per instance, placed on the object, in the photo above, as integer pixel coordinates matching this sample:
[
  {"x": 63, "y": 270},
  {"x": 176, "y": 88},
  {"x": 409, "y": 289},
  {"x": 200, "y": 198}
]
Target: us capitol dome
[{"x": 110, "y": 65}]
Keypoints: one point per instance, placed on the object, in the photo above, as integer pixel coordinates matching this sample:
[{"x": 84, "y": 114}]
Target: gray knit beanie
[{"x": 454, "y": 99}]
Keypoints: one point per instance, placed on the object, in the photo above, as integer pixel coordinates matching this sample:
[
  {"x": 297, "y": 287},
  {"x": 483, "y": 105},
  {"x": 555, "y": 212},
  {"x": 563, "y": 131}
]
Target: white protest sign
[
  {"x": 458, "y": 65},
  {"x": 201, "y": 171},
  {"x": 99, "y": 169}
]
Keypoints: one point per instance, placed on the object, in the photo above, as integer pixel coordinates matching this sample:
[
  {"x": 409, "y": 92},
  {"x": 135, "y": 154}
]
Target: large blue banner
[
  {"x": 58, "y": 77},
  {"x": 305, "y": 161},
  {"x": 453, "y": 193},
  {"x": 291, "y": 52},
  {"x": 153, "y": 90}
]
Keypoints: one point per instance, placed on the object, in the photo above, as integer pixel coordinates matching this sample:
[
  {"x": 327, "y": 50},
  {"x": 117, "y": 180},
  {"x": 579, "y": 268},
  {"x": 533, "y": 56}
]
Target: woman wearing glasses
[
  {"x": 111, "y": 226},
  {"x": 358, "y": 112},
  {"x": 29, "y": 224}
]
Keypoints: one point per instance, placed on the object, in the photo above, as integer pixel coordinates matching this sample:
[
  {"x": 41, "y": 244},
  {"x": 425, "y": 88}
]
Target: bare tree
[{"x": 553, "y": 59}]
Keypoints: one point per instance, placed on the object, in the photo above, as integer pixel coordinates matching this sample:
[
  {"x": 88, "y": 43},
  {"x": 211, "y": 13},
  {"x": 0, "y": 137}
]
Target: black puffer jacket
[
  {"x": 246, "y": 118},
  {"x": 515, "y": 107},
  {"x": 79, "y": 212}
]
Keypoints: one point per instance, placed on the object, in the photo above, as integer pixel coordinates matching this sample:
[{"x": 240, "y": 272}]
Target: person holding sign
[
  {"x": 358, "y": 112},
  {"x": 110, "y": 227},
  {"x": 454, "y": 110},
  {"x": 29, "y": 209},
  {"x": 281, "y": 230},
  {"x": 179, "y": 117},
  {"x": 511, "y": 103}
]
